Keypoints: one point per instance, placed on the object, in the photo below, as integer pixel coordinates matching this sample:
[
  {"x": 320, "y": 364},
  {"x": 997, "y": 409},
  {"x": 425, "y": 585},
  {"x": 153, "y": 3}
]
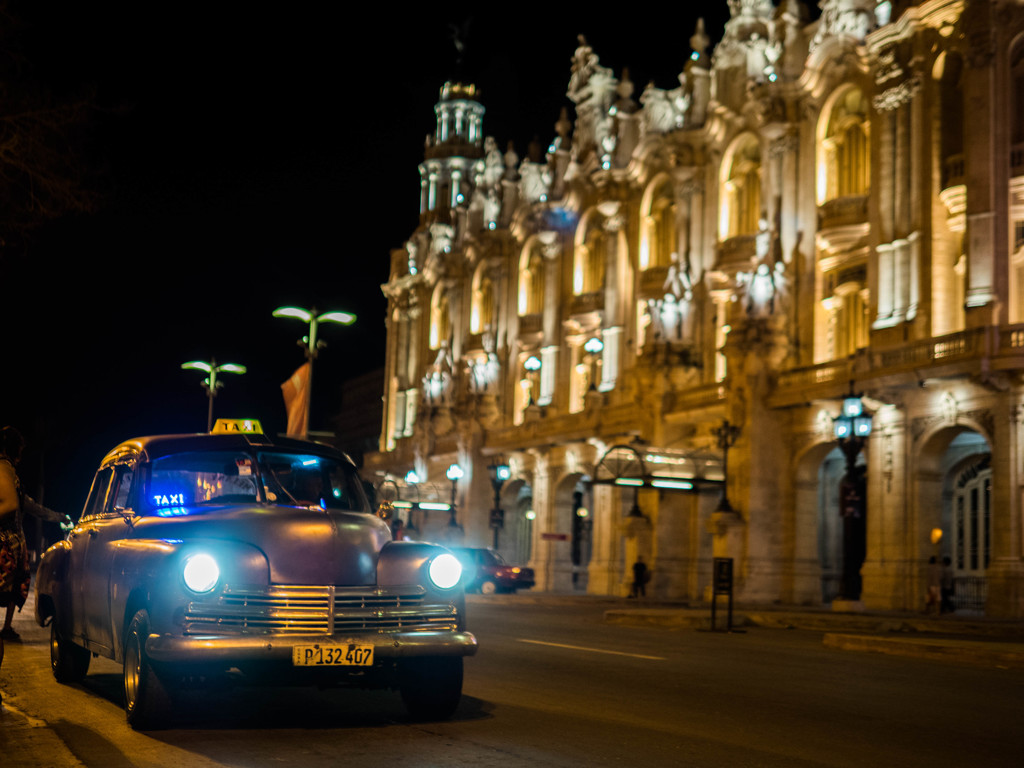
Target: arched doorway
[
  {"x": 573, "y": 502},
  {"x": 818, "y": 524},
  {"x": 966, "y": 521},
  {"x": 954, "y": 481},
  {"x": 517, "y": 532}
]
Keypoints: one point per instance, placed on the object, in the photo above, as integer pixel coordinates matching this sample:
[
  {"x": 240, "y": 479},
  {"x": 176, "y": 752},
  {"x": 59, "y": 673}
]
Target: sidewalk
[{"x": 973, "y": 640}]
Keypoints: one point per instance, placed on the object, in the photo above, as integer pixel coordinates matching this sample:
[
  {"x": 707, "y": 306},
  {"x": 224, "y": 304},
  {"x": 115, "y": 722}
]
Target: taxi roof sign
[{"x": 242, "y": 426}]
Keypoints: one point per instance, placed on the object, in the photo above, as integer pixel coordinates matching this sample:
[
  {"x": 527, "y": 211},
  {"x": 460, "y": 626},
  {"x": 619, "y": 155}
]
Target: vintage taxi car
[{"x": 234, "y": 556}]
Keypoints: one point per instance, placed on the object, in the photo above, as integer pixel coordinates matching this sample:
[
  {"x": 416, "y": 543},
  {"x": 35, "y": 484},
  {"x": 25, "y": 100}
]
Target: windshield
[
  {"x": 185, "y": 480},
  {"x": 307, "y": 480}
]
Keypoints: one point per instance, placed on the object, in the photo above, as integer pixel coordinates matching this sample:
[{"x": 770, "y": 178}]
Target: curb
[{"x": 964, "y": 651}]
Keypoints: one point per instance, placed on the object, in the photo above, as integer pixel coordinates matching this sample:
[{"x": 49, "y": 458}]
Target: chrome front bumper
[{"x": 214, "y": 649}]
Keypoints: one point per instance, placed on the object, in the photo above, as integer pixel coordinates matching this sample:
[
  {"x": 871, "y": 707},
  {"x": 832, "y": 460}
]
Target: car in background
[
  {"x": 486, "y": 571},
  {"x": 236, "y": 557}
]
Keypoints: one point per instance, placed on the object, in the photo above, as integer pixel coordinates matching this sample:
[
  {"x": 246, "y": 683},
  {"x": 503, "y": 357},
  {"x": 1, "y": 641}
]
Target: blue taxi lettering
[{"x": 169, "y": 499}]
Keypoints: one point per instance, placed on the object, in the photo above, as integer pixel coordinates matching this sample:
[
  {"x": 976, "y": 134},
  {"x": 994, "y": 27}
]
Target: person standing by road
[
  {"x": 947, "y": 585},
  {"x": 14, "y": 572},
  {"x": 932, "y": 597},
  {"x": 640, "y": 578}
]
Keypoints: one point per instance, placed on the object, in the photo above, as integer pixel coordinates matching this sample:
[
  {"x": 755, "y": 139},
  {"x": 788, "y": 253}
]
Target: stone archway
[
  {"x": 569, "y": 497},
  {"x": 817, "y": 524},
  {"x": 954, "y": 496},
  {"x": 516, "y": 540}
]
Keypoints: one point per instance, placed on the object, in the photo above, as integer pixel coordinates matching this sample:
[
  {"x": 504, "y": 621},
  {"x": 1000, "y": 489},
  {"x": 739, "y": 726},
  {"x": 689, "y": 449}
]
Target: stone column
[
  {"x": 986, "y": 172},
  {"x": 1005, "y": 574},
  {"x": 543, "y": 505}
]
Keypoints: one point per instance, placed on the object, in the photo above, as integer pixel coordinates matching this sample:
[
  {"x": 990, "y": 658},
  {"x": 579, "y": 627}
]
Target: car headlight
[
  {"x": 444, "y": 571},
  {"x": 201, "y": 573}
]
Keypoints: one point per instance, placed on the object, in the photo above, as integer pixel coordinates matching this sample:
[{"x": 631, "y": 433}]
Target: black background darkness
[{"x": 252, "y": 156}]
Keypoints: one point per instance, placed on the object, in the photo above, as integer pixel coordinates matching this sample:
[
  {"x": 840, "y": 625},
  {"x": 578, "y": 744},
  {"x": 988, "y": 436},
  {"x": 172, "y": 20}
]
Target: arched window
[
  {"x": 741, "y": 189},
  {"x": 660, "y": 236},
  {"x": 531, "y": 282},
  {"x": 847, "y": 309},
  {"x": 482, "y": 311},
  {"x": 588, "y": 275},
  {"x": 843, "y": 152},
  {"x": 440, "y": 318}
]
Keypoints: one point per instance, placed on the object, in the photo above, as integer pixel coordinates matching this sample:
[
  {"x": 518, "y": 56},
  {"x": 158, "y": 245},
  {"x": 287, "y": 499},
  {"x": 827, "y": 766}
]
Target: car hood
[{"x": 302, "y": 546}]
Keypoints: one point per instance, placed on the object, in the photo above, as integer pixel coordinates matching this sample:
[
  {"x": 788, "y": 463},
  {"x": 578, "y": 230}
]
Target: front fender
[
  {"x": 148, "y": 573},
  {"x": 406, "y": 562}
]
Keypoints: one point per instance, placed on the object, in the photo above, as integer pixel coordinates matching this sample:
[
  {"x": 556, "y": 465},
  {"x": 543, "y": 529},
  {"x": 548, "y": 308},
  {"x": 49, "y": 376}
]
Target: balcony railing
[
  {"x": 532, "y": 323},
  {"x": 587, "y": 302},
  {"x": 843, "y": 211},
  {"x": 652, "y": 282},
  {"x": 1001, "y": 346},
  {"x": 736, "y": 253}
]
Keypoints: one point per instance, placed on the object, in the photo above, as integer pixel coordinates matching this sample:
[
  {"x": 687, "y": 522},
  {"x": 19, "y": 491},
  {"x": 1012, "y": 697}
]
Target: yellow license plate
[{"x": 332, "y": 655}]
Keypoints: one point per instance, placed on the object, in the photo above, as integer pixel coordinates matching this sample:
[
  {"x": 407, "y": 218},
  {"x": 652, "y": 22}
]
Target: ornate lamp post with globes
[
  {"x": 454, "y": 473},
  {"x": 852, "y": 428},
  {"x": 499, "y": 472}
]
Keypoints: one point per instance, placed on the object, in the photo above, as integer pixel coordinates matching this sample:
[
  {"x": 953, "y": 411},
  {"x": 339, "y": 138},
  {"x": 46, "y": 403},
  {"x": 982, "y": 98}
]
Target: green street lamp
[
  {"x": 454, "y": 473},
  {"x": 852, "y": 427},
  {"x": 593, "y": 348},
  {"x": 499, "y": 472},
  {"x": 210, "y": 383},
  {"x": 310, "y": 344}
]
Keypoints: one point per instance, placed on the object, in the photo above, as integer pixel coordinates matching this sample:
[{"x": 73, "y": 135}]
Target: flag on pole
[{"x": 296, "y": 400}]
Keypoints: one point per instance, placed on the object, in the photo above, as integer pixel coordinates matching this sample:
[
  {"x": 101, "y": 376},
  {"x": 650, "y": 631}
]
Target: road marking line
[{"x": 591, "y": 650}]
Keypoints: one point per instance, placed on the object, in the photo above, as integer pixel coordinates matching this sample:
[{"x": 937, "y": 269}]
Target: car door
[
  {"x": 104, "y": 529},
  {"x": 81, "y": 538}
]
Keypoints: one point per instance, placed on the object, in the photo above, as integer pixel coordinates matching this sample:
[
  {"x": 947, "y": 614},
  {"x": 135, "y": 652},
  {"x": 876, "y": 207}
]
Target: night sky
[{"x": 249, "y": 157}]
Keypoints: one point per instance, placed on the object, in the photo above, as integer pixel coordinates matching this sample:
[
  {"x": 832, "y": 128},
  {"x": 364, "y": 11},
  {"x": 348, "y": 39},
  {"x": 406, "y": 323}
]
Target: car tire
[
  {"x": 488, "y": 588},
  {"x": 146, "y": 700},
  {"x": 431, "y": 687},
  {"x": 69, "y": 662}
]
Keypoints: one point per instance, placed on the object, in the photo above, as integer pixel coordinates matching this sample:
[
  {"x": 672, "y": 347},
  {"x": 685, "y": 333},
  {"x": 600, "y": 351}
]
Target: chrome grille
[{"x": 300, "y": 610}]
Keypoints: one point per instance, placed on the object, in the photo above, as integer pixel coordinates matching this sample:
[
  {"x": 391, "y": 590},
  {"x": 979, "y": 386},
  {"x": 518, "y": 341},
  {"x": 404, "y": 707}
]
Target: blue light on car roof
[
  {"x": 310, "y": 462},
  {"x": 172, "y": 512}
]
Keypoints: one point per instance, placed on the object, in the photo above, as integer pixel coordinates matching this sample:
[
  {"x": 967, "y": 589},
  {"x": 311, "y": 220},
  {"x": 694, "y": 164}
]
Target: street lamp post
[
  {"x": 532, "y": 365},
  {"x": 593, "y": 348},
  {"x": 454, "y": 473},
  {"x": 852, "y": 428},
  {"x": 210, "y": 383},
  {"x": 311, "y": 345},
  {"x": 499, "y": 472},
  {"x": 726, "y": 434}
]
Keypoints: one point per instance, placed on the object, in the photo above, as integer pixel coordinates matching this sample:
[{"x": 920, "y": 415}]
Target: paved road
[{"x": 554, "y": 684}]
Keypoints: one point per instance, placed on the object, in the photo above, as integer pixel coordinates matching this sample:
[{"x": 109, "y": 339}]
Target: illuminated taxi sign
[{"x": 247, "y": 426}]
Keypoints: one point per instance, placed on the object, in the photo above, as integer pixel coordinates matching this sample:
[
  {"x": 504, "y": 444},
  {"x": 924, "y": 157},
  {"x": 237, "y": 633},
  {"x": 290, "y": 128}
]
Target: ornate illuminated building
[{"x": 682, "y": 289}]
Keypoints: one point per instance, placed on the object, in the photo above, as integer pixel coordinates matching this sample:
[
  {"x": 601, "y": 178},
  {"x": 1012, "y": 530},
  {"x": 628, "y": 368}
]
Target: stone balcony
[
  {"x": 991, "y": 348},
  {"x": 585, "y": 303},
  {"x": 531, "y": 324},
  {"x": 736, "y": 253},
  {"x": 843, "y": 212}
]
